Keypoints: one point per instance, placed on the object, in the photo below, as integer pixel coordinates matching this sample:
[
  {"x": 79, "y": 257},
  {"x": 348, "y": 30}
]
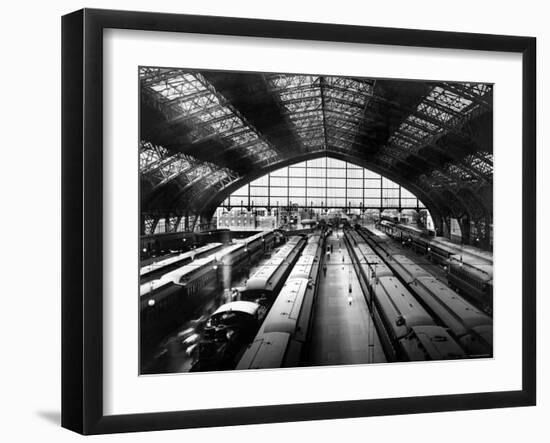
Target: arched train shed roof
[{"x": 204, "y": 134}]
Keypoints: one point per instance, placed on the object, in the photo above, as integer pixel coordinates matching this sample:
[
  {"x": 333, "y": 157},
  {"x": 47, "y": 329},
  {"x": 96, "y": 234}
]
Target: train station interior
[{"x": 300, "y": 220}]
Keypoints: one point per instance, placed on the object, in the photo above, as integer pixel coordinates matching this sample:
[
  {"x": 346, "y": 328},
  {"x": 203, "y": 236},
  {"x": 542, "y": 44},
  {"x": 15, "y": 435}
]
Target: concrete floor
[{"x": 343, "y": 332}]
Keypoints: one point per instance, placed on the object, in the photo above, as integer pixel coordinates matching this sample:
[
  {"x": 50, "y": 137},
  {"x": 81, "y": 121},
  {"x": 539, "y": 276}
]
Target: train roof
[
  {"x": 409, "y": 228},
  {"x": 437, "y": 343},
  {"x": 374, "y": 232},
  {"x": 398, "y": 301},
  {"x": 246, "y": 307},
  {"x": 253, "y": 237},
  {"x": 260, "y": 278},
  {"x": 374, "y": 262},
  {"x": 302, "y": 269},
  {"x": 474, "y": 254},
  {"x": 303, "y": 266},
  {"x": 294, "y": 239},
  {"x": 284, "y": 312},
  {"x": 367, "y": 256},
  {"x": 146, "y": 288},
  {"x": 266, "y": 351},
  {"x": 407, "y": 269},
  {"x": 144, "y": 270},
  {"x": 175, "y": 276},
  {"x": 482, "y": 272},
  {"x": 230, "y": 249},
  {"x": 456, "y": 312}
]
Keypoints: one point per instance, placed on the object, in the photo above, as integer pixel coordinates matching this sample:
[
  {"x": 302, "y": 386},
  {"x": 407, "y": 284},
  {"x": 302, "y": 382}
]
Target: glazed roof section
[{"x": 203, "y": 132}]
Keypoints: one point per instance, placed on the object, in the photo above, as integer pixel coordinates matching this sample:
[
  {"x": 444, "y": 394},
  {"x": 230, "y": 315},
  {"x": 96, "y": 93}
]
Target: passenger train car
[
  {"x": 264, "y": 285},
  {"x": 165, "y": 302},
  {"x": 156, "y": 269},
  {"x": 470, "y": 326},
  {"x": 476, "y": 281},
  {"x": 218, "y": 350},
  {"x": 281, "y": 340},
  {"x": 406, "y": 330},
  {"x": 165, "y": 242},
  {"x": 468, "y": 272}
]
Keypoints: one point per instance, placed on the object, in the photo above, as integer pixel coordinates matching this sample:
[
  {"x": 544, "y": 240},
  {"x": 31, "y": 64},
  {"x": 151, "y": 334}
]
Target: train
[
  {"x": 472, "y": 328},
  {"x": 154, "y": 245},
  {"x": 476, "y": 281},
  {"x": 264, "y": 285},
  {"x": 406, "y": 330},
  {"x": 155, "y": 269},
  {"x": 469, "y": 272},
  {"x": 281, "y": 340},
  {"x": 166, "y": 301},
  {"x": 223, "y": 337},
  {"x": 226, "y": 331}
]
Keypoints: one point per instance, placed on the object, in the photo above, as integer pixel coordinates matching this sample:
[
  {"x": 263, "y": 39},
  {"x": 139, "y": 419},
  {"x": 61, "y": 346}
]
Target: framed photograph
[{"x": 270, "y": 221}]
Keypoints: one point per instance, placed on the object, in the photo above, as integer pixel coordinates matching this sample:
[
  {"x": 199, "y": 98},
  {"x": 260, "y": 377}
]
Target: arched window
[{"x": 323, "y": 183}]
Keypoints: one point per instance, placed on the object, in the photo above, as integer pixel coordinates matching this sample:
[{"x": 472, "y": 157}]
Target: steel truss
[{"x": 326, "y": 114}]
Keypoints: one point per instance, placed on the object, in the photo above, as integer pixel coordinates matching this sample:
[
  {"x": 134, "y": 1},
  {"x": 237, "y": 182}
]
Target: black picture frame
[{"x": 82, "y": 218}]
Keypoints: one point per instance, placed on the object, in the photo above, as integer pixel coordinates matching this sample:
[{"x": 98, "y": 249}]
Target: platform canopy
[{"x": 205, "y": 134}]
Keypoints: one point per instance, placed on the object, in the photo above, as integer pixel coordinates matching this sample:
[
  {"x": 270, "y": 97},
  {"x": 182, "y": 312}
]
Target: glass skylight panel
[
  {"x": 435, "y": 113},
  {"x": 478, "y": 89},
  {"x": 159, "y": 166},
  {"x": 300, "y": 95},
  {"x": 413, "y": 131},
  {"x": 303, "y": 106},
  {"x": 308, "y": 119},
  {"x": 149, "y": 155},
  {"x": 482, "y": 162},
  {"x": 448, "y": 99},
  {"x": 196, "y": 99},
  {"x": 345, "y": 100},
  {"x": 349, "y": 84},
  {"x": 306, "y": 94},
  {"x": 346, "y": 125},
  {"x": 487, "y": 157},
  {"x": 442, "y": 105},
  {"x": 421, "y": 122},
  {"x": 197, "y": 172},
  {"x": 284, "y": 81}
]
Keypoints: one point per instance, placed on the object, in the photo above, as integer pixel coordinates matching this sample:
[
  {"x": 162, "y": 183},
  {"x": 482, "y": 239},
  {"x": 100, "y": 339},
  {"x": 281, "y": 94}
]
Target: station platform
[{"x": 343, "y": 331}]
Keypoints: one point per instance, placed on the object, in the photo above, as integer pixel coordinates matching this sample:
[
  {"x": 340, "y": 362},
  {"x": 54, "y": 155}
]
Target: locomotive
[{"x": 167, "y": 301}]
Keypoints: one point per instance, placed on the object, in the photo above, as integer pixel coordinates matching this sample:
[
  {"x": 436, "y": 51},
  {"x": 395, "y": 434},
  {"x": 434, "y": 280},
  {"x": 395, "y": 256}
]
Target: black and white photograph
[
  {"x": 294, "y": 220},
  {"x": 249, "y": 222}
]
